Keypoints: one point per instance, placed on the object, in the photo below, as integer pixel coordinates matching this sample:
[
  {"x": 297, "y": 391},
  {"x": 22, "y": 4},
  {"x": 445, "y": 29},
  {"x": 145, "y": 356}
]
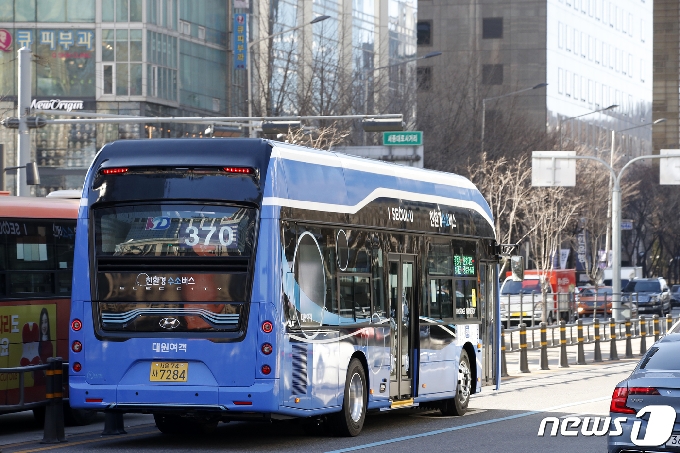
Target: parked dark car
[
  {"x": 654, "y": 382},
  {"x": 675, "y": 295},
  {"x": 650, "y": 294}
]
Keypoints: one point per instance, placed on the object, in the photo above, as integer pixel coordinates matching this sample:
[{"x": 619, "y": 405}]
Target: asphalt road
[{"x": 507, "y": 420}]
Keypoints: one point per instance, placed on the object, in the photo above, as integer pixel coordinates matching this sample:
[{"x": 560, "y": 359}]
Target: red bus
[{"x": 37, "y": 236}]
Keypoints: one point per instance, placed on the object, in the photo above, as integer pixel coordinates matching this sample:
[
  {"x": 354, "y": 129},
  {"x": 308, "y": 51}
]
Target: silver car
[{"x": 644, "y": 408}]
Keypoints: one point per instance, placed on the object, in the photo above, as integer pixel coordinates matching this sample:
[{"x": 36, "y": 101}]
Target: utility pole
[{"x": 23, "y": 109}]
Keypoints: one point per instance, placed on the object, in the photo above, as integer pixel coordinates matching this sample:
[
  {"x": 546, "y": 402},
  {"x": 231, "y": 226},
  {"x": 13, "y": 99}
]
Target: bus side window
[
  {"x": 355, "y": 298},
  {"x": 380, "y": 302},
  {"x": 330, "y": 265},
  {"x": 466, "y": 299}
]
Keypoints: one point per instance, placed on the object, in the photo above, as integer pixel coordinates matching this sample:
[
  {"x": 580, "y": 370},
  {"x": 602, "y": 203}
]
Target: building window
[
  {"x": 492, "y": 74},
  {"x": 122, "y": 11},
  {"x": 108, "y": 79},
  {"x": 162, "y": 67},
  {"x": 201, "y": 32},
  {"x": 424, "y": 76},
  {"x": 425, "y": 33},
  {"x": 123, "y": 48},
  {"x": 492, "y": 28},
  {"x": 184, "y": 27}
]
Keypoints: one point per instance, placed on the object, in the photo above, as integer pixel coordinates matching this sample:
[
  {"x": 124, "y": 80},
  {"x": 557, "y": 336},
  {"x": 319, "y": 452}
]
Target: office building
[{"x": 592, "y": 54}]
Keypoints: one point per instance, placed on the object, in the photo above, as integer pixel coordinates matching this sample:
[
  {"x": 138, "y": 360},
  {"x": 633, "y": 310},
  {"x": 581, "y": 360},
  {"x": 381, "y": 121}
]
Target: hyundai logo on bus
[
  {"x": 659, "y": 426},
  {"x": 57, "y": 104},
  {"x": 169, "y": 323}
]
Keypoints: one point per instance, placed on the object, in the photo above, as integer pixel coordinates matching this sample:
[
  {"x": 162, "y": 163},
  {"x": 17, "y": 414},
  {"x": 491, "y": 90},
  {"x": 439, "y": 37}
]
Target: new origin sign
[{"x": 57, "y": 104}]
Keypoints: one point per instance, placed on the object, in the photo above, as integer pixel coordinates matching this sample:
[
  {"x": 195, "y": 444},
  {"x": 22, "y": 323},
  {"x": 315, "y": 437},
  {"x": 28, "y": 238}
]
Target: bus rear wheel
[
  {"x": 458, "y": 405},
  {"x": 350, "y": 420}
]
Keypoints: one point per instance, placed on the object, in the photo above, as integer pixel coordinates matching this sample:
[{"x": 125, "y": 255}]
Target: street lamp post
[
  {"x": 616, "y": 213},
  {"x": 366, "y": 71},
  {"x": 535, "y": 87},
  {"x": 249, "y": 81},
  {"x": 611, "y": 165},
  {"x": 613, "y": 106}
]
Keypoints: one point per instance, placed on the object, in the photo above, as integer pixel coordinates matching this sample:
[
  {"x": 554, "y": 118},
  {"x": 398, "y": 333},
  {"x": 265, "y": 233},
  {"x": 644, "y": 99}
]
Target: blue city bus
[{"x": 247, "y": 279}]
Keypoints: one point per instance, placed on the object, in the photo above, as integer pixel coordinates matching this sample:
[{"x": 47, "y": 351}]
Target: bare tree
[{"x": 322, "y": 138}]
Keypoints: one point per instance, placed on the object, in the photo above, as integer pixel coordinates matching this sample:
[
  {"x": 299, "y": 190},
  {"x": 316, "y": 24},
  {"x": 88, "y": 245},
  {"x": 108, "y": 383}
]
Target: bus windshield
[
  {"x": 170, "y": 230},
  {"x": 512, "y": 287}
]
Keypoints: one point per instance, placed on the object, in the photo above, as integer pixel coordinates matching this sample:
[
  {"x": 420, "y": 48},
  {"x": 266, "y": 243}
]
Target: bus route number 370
[
  {"x": 192, "y": 235},
  {"x": 169, "y": 371}
]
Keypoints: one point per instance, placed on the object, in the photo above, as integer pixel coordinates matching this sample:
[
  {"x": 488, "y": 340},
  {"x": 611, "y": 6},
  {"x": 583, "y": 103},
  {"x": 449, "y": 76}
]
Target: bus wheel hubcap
[
  {"x": 356, "y": 397},
  {"x": 464, "y": 381}
]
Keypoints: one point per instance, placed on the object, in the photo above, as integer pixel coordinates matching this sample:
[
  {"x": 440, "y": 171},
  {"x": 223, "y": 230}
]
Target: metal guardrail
[
  {"x": 641, "y": 327},
  {"x": 54, "y": 397}
]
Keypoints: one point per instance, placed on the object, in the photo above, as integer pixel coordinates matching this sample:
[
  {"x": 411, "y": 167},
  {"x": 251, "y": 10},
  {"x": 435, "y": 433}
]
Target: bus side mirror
[{"x": 517, "y": 268}]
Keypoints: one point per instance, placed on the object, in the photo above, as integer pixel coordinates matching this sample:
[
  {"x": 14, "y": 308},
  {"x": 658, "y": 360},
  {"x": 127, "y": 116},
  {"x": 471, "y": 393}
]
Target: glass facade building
[
  {"x": 179, "y": 58},
  {"x": 129, "y": 57},
  {"x": 354, "y": 62}
]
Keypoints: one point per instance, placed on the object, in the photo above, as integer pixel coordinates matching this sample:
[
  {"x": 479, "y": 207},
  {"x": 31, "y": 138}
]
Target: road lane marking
[{"x": 469, "y": 425}]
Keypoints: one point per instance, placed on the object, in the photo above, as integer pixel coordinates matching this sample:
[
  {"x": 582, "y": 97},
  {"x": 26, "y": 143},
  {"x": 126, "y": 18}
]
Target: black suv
[
  {"x": 675, "y": 295},
  {"x": 651, "y": 294}
]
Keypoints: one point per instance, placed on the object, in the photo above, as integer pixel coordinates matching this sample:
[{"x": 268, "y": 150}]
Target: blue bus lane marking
[{"x": 469, "y": 425}]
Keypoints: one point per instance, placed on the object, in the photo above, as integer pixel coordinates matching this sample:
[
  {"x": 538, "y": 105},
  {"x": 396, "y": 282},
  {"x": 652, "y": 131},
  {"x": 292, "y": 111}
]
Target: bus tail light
[
  {"x": 76, "y": 325},
  {"x": 114, "y": 171},
  {"x": 94, "y": 400},
  {"x": 267, "y": 349},
  {"x": 266, "y": 369},
  {"x": 77, "y": 346},
  {"x": 239, "y": 170},
  {"x": 77, "y": 367},
  {"x": 243, "y": 403},
  {"x": 267, "y": 327}
]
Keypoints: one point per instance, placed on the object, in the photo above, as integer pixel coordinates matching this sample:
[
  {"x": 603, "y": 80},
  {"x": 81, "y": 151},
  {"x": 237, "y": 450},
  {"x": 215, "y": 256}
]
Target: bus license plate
[
  {"x": 517, "y": 314},
  {"x": 169, "y": 371},
  {"x": 674, "y": 441}
]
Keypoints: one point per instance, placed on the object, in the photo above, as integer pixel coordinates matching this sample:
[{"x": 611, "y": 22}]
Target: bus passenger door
[
  {"x": 402, "y": 298},
  {"x": 490, "y": 350}
]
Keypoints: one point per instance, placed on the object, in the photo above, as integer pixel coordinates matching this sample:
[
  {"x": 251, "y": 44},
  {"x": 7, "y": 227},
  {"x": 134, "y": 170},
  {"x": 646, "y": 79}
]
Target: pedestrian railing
[
  {"x": 589, "y": 331},
  {"x": 54, "y": 397}
]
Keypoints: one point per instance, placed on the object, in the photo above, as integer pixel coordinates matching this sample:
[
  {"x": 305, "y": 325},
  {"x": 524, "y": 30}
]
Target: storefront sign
[
  {"x": 57, "y": 104},
  {"x": 240, "y": 36},
  {"x": 53, "y": 38},
  {"x": 5, "y": 40}
]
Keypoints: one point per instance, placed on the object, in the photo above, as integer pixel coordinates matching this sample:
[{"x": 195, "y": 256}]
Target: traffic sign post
[
  {"x": 403, "y": 138},
  {"x": 626, "y": 224},
  {"x": 549, "y": 170}
]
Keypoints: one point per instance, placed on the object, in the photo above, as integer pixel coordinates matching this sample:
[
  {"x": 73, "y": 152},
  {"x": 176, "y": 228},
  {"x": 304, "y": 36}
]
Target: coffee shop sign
[{"x": 57, "y": 104}]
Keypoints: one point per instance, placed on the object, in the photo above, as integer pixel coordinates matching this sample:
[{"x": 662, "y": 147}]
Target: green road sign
[{"x": 403, "y": 138}]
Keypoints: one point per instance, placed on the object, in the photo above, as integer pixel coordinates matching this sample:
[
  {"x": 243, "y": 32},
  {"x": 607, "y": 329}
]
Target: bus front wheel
[
  {"x": 459, "y": 404},
  {"x": 350, "y": 420}
]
